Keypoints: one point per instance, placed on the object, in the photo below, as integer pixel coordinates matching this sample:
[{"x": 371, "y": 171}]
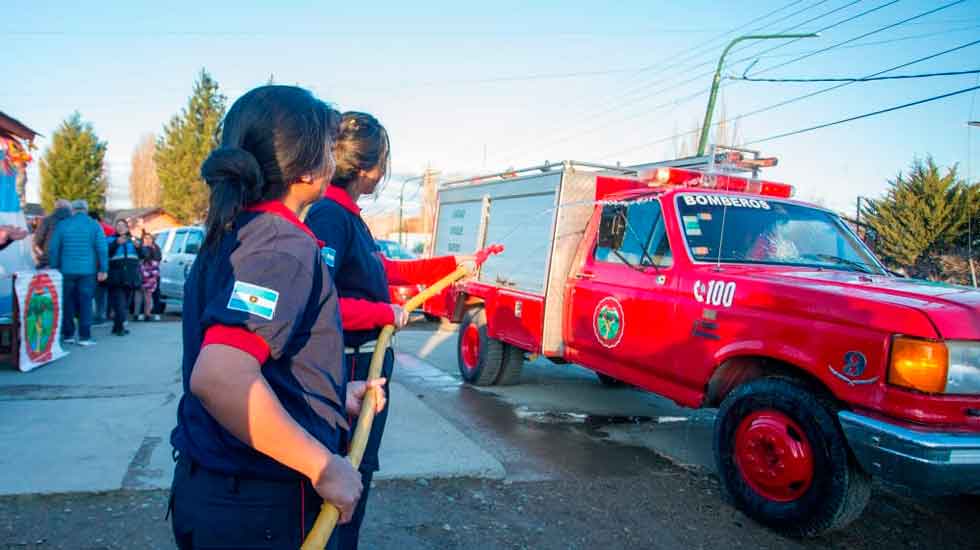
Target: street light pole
[
  {"x": 703, "y": 141},
  {"x": 969, "y": 238},
  {"x": 401, "y": 207}
]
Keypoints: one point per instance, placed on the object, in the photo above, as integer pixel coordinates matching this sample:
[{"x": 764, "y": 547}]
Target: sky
[{"x": 469, "y": 88}]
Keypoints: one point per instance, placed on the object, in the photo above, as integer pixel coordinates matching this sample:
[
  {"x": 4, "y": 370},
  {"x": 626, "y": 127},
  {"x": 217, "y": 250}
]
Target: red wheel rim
[
  {"x": 774, "y": 456},
  {"x": 471, "y": 346}
]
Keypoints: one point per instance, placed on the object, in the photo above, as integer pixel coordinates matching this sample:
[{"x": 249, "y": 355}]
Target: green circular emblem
[{"x": 608, "y": 322}]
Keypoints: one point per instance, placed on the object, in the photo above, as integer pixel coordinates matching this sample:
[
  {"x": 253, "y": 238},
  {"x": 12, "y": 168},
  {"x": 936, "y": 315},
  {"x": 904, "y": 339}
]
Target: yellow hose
[{"x": 326, "y": 520}]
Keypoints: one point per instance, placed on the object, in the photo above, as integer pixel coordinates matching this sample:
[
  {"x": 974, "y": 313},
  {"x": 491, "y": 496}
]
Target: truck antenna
[{"x": 721, "y": 237}]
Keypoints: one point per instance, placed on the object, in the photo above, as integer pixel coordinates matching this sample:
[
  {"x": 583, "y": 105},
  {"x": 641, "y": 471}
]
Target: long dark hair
[
  {"x": 362, "y": 145},
  {"x": 271, "y": 137}
]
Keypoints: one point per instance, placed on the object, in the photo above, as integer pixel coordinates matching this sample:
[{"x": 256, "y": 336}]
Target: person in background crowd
[
  {"x": 62, "y": 211},
  {"x": 9, "y": 234},
  {"x": 78, "y": 249},
  {"x": 150, "y": 272},
  {"x": 362, "y": 274},
  {"x": 152, "y": 250},
  {"x": 107, "y": 229},
  {"x": 124, "y": 275},
  {"x": 102, "y": 290}
]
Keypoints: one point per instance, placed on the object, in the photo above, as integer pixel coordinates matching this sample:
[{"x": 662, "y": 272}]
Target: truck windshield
[{"x": 769, "y": 232}]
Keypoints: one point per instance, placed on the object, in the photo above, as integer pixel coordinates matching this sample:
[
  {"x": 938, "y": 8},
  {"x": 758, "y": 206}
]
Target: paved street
[{"x": 559, "y": 461}]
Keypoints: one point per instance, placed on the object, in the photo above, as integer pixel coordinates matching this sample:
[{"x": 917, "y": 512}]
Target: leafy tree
[
  {"x": 187, "y": 140},
  {"x": 922, "y": 212},
  {"x": 73, "y": 166}
]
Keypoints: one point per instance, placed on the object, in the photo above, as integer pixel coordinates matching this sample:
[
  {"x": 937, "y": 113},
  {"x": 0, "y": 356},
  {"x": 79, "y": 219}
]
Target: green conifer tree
[
  {"x": 187, "y": 140},
  {"x": 73, "y": 166},
  {"x": 921, "y": 212}
]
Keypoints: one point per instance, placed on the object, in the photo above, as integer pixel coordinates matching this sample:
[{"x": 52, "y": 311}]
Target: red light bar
[{"x": 689, "y": 178}]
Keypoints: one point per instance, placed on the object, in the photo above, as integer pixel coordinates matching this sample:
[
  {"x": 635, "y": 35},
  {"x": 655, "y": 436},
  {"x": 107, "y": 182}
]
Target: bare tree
[
  {"x": 726, "y": 133},
  {"x": 144, "y": 185},
  {"x": 430, "y": 183}
]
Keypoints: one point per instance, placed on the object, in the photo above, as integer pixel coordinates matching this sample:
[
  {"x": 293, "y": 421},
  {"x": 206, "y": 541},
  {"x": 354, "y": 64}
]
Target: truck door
[
  {"x": 621, "y": 305},
  {"x": 172, "y": 266},
  {"x": 192, "y": 246}
]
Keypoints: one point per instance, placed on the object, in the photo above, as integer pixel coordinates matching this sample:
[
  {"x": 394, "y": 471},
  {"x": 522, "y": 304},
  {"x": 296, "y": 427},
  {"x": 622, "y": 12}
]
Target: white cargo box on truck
[{"x": 539, "y": 214}]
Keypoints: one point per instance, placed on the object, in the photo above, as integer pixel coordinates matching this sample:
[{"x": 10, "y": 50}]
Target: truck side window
[
  {"x": 161, "y": 239},
  {"x": 626, "y": 231},
  {"x": 194, "y": 240},
  {"x": 177, "y": 247}
]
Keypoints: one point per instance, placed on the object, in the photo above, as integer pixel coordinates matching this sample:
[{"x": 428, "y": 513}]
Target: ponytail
[{"x": 235, "y": 179}]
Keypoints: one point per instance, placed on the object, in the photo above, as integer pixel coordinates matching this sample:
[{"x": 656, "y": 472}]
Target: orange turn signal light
[{"x": 919, "y": 364}]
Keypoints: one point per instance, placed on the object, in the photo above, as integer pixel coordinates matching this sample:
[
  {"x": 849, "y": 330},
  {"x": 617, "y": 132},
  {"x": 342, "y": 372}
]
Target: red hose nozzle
[{"x": 482, "y": 255}]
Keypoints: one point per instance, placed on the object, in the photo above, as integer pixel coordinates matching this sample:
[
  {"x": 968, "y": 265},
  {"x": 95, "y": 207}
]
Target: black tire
[
  {"x": 513, "y": 364},
  {"x": 481, "y": 368},
  {"x": 609, "y": 381},
  {"x": 839, "y": 490}
]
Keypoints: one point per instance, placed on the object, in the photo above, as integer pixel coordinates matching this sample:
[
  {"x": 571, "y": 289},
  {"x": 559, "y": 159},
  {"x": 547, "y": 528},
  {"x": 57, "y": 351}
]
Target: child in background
[{"x": 150, "y": 271}]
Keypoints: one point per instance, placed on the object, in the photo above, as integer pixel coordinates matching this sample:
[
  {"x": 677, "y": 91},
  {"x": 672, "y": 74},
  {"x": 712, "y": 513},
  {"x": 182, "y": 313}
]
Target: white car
[{"x": 178, "y": 248}]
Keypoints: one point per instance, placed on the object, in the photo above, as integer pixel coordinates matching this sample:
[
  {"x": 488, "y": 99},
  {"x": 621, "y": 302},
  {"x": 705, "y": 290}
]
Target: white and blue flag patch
[
  {"x": 253, "y": 299},
  {"x": 329, "y": 255}
]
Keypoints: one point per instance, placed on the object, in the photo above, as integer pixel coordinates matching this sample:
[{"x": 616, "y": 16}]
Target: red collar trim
[
  {"x": 339, "y": 196},
  {"x": 280, "y": 209}
]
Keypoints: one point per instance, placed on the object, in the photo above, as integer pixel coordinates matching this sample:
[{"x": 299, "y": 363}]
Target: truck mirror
[{"x": 612, "y": 227}]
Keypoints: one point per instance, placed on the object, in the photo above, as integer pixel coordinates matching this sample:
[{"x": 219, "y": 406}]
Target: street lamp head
[{"x": 974, "y": 123}]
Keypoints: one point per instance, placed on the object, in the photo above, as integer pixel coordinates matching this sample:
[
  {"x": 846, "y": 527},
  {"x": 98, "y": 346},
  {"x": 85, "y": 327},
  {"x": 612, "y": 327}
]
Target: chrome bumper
[{"x": 932, "y": 462}]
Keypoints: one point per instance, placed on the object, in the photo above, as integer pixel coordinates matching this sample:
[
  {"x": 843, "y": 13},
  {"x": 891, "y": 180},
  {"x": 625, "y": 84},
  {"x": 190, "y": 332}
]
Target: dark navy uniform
[
  {"x": 265, "y": 290},
  {"x": 362, "y": 277}
]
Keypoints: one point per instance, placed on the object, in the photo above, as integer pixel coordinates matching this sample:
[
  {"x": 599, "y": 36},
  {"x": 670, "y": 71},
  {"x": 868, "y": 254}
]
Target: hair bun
[{"x": 232, "y": 165}]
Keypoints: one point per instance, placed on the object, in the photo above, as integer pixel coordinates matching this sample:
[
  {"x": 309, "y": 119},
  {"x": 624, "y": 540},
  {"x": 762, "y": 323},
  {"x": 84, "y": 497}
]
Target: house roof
[
  {"x": 13, "y": 127},
  {"x": 128, "y": 213}
]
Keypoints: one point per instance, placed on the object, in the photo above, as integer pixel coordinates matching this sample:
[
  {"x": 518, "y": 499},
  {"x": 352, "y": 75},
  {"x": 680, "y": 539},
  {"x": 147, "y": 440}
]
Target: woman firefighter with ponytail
[
  {"x": 361, "y": 273},
  {"x": 264, "y": 414}
]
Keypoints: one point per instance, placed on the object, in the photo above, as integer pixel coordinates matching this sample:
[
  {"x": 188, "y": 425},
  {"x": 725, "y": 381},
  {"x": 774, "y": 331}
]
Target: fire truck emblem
[
  {"x": 608, "y": 322},
  {"x": 854, "y": 363}
]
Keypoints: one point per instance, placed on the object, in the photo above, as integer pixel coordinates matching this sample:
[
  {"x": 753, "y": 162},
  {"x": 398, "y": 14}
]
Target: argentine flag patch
[
  {"x": 253, "y": 299},
  {"x": 329, "y": 255}
]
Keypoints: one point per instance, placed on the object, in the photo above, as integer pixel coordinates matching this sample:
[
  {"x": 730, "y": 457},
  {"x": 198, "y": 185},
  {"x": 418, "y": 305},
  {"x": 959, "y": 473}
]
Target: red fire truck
[{"x": 698, "y": 281}]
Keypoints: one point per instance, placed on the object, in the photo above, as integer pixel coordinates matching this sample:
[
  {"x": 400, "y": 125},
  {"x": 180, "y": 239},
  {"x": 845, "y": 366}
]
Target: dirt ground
[{"x": 662, "y": 506}]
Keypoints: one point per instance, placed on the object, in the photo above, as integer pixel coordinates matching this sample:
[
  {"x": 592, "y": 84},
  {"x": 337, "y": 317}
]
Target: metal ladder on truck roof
[{"x": 722, "y": 159}]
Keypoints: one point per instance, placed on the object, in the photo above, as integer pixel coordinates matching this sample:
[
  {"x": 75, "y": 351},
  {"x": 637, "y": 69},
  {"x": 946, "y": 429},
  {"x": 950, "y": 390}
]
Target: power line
[
  {"x": 674, "y": 103},
  {"x": 883, "y": 42},
  {"x": 865, "y": 79},
  {"x": 865, "y": 115},
  {"x": 709, "y": 45},
  {"x": 865, "y": 35},
  {"x": 839, "y": 44},
  {"x": 800, "y": 97}
]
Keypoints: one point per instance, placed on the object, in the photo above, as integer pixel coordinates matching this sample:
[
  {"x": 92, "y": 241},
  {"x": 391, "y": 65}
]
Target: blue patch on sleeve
[
  {"x": 329, "y": 255},
  {"x": 253, "y": 299}
]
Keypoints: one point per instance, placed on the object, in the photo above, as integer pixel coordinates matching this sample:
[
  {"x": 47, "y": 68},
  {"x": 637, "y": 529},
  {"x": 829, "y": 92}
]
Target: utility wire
[
  {"x": 865, "y": 115},
  {"x": 632, "y": 115},
  {"x": 865, "y": 35},
  {"x": 798, "y": 98},
  {"x": 865, "y": 79},
  {"x": 665, "y": 66},
  {"x": 813, "y": 53}
]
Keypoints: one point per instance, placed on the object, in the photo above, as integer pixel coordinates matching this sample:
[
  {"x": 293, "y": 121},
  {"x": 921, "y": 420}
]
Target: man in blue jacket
[{"x": 79, "y": 251}]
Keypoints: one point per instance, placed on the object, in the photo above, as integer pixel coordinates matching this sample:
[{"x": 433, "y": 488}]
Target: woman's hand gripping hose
[{"x": 329, "y": 514}]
